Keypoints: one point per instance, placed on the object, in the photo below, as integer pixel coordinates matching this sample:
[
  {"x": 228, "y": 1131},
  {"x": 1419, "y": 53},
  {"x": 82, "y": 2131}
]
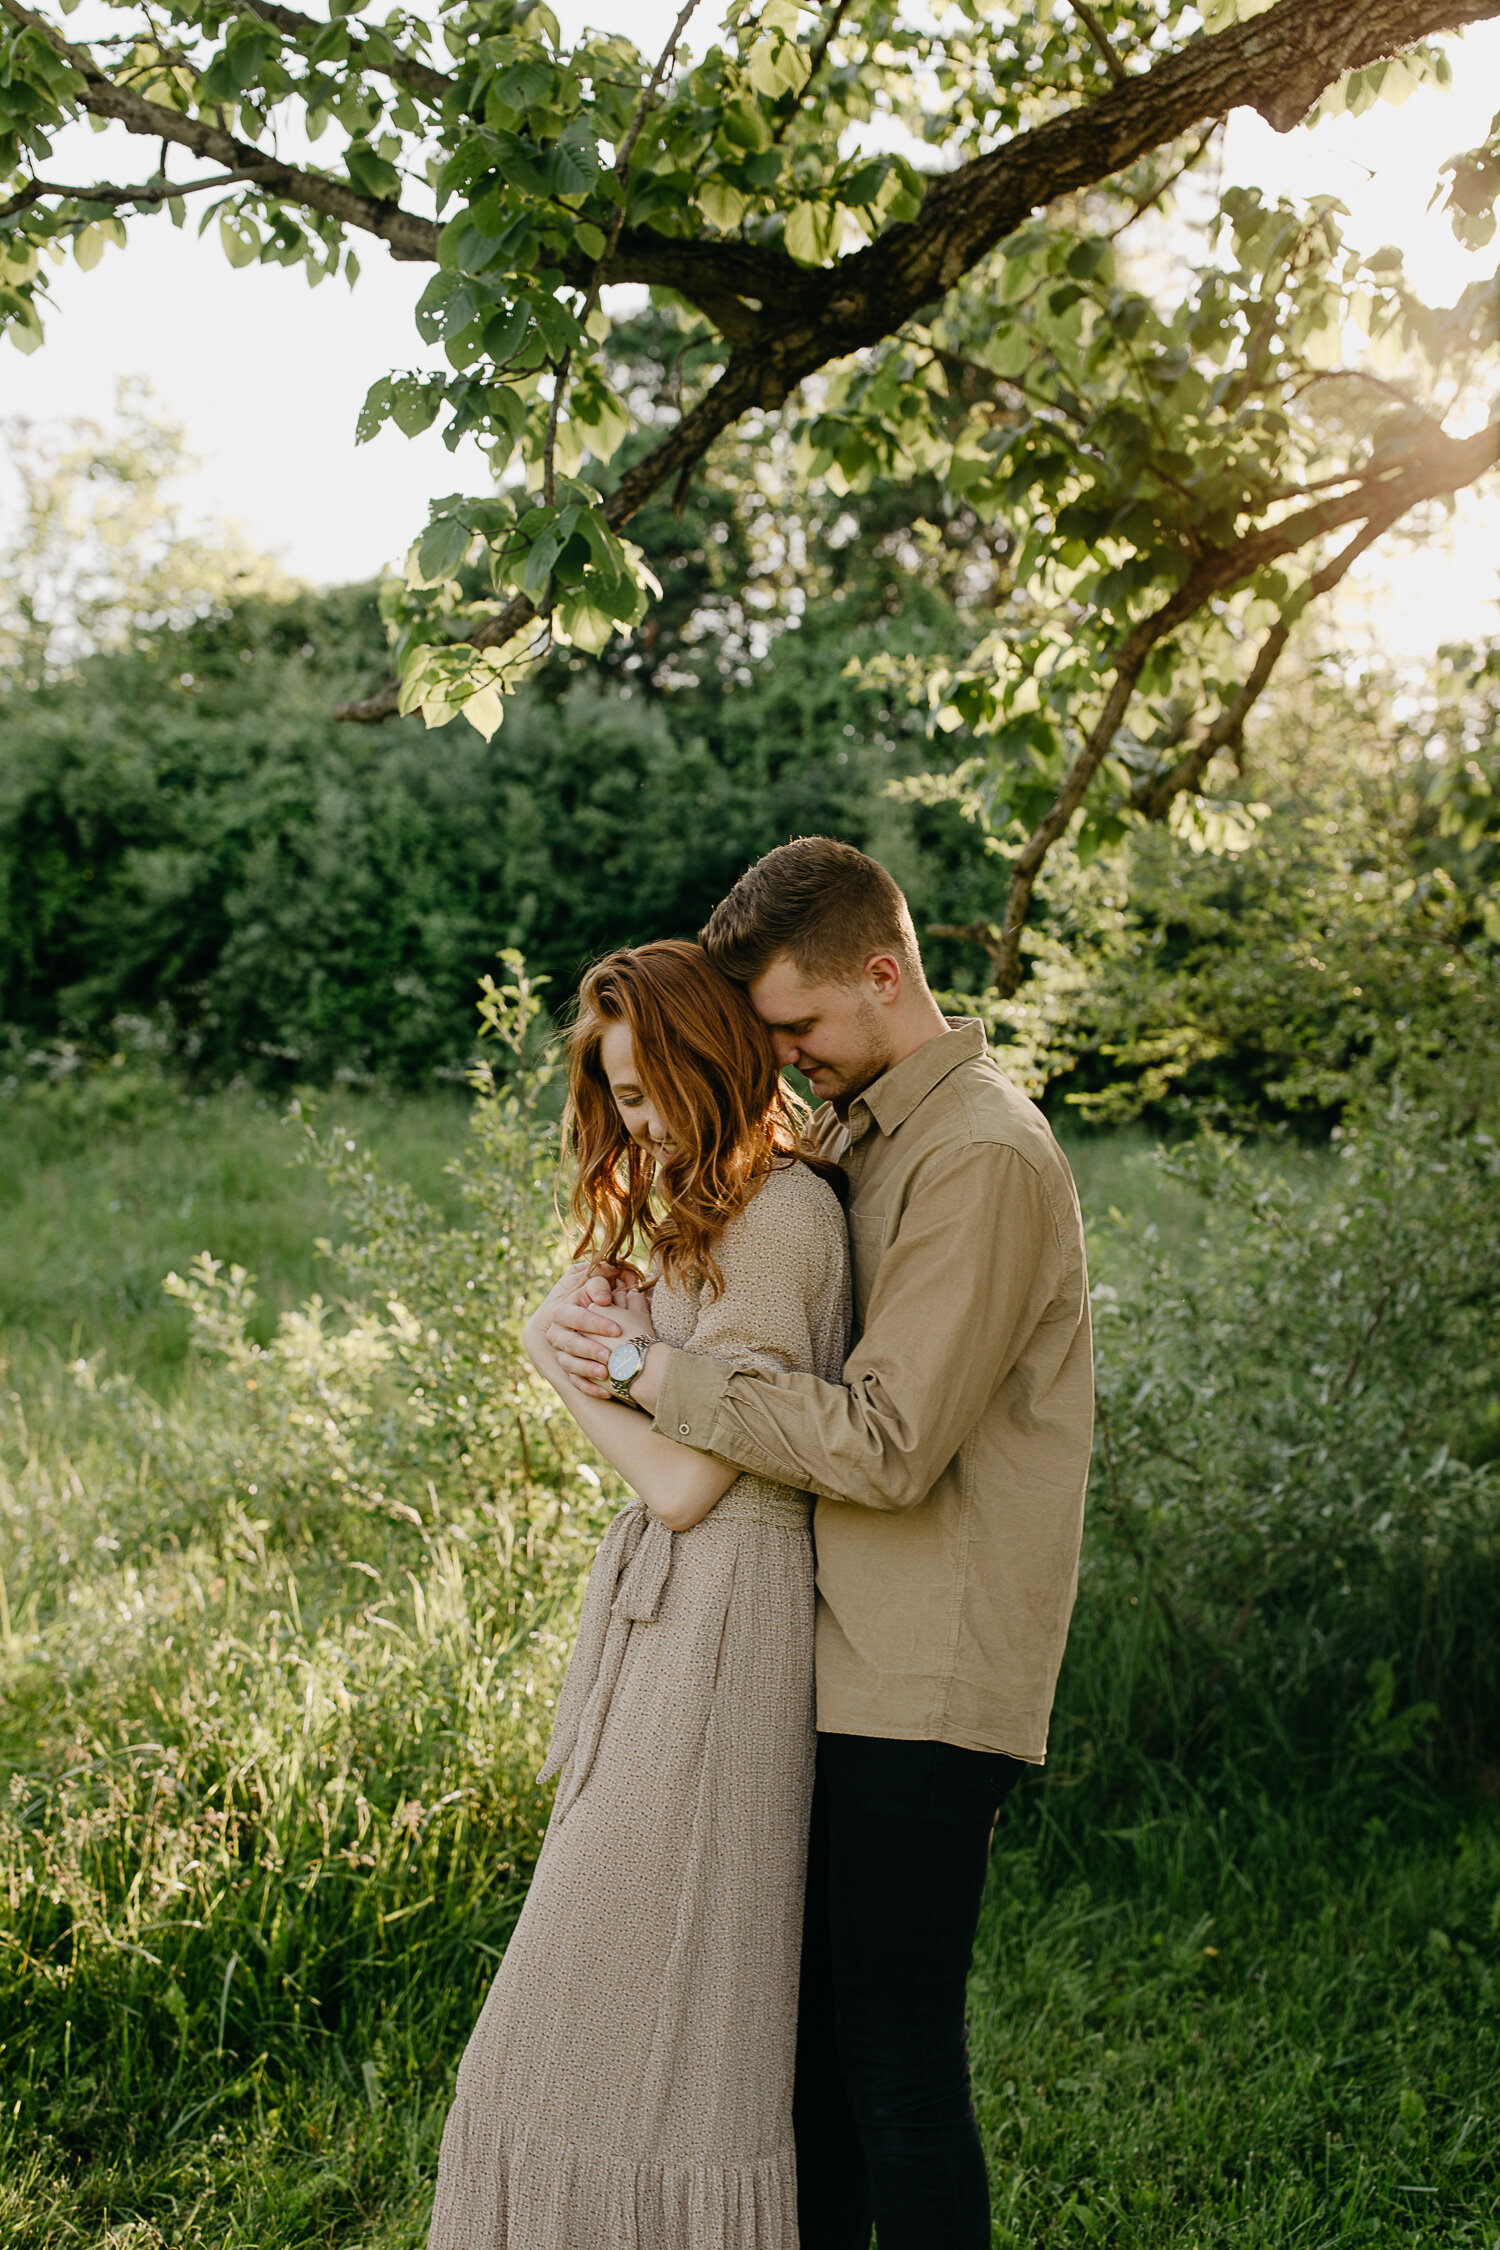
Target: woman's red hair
[{"x": 704, "y": 1060}]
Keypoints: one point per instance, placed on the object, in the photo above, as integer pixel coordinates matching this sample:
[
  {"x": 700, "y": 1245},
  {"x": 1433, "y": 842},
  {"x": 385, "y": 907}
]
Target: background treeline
[
  {"x": 187, "y": 835},
  {"x": 198, "y": 858},
  {"x": 186, "y": 827}
]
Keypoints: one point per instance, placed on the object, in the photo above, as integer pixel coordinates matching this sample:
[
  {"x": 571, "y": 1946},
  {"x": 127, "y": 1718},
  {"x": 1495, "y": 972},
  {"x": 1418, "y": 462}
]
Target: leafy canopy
[{"x": 901, "y": 242}]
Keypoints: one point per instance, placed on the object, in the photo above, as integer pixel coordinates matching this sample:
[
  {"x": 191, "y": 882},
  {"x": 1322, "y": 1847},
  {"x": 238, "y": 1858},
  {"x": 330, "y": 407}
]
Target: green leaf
[
  {"x": 908, "y": 204},
  {"x": 811, "y": 229},
  {"x": 590, "y": 240},
  {"x": 777, "y": 66},
  {"x": 525, "y": 83},
  {"x": 545, "y": 550},
  {"x": 764, "y": 170},
  {"x": 722, "y": 205},
  {"x": 560, "y": 331},
  {"x": 248, "y": 49},
  {"x": 505, "y": 331},
  {"x": 375, "y": 411},
  {"x": 580, "y": 623},
  {"x": 474, "y": 156},
  {"x": 443, "y": 547},
  {"x": 572, "y": 166},
  {"x": 372, "y": 174},
  {"x": 241, "y": 240},
  {"x": 863, "y": 188},
  {"x": 414, "y": 403}
]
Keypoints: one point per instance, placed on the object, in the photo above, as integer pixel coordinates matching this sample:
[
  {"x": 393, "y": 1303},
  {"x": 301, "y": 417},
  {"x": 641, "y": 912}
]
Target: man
[{"x": 949, "y": 1467}]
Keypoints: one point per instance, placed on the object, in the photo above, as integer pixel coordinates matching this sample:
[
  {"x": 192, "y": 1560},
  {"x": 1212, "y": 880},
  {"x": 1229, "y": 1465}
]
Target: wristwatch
[{"x": 625, "y": 1363}]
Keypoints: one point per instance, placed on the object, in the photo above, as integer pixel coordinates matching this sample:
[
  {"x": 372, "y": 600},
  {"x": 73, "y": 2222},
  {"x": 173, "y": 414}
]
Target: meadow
[{"x": 288, "y": 1572}]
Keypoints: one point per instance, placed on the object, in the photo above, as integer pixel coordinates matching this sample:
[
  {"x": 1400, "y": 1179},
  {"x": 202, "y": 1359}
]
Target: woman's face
[{"x": 638, "y": 1113}]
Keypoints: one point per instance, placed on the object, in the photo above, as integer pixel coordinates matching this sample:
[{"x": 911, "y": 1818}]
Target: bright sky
[{"x": 268, "y": 375}]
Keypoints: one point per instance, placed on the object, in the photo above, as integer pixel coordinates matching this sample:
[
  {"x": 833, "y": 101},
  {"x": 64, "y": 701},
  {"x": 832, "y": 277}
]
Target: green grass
[
  {"x": 1290, "y": 2037},
  {"x": 91, "y": 1219},
  {"x": 1277, "y": 2024}
]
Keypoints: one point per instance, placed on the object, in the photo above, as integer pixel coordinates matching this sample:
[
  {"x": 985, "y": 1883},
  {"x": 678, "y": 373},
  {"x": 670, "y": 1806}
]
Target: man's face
[{"x": 837, "y": 1035}]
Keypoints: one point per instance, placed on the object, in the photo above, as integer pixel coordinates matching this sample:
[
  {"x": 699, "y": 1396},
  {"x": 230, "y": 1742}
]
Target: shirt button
[{"x": 684, "y": 1429}]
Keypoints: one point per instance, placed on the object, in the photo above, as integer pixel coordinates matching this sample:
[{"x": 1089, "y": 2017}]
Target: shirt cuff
[{"x": 692, "y": 1390}]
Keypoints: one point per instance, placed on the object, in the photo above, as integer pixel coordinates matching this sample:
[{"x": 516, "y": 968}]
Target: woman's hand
[
  {"x": 534, "y": 1334},
  {"x": 631, "y": 1308}
]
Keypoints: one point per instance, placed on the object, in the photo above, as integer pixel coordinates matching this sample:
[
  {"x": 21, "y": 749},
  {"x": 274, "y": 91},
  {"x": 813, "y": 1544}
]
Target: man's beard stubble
[{"x": 872, "y": 1062}]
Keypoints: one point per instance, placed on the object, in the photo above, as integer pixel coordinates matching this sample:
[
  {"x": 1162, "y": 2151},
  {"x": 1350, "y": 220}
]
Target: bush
[
  {"x": 187, "y": 832},
  {"x": 1350, "y": 943},
  {"x": 1294, "y": 1557}
]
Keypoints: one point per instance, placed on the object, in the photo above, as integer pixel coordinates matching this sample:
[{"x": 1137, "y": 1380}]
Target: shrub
[
  {"x": 186, "y": 831},
  {"x": 1294, "y": 1557}
]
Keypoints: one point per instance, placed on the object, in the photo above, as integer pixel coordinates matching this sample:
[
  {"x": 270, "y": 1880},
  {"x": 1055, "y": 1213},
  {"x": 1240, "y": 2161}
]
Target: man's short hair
[{"x": 823, "y": 904}]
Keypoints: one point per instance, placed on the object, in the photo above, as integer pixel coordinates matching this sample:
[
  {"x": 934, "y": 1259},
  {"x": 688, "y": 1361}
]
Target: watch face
[{"x": 624, "y": 1361}]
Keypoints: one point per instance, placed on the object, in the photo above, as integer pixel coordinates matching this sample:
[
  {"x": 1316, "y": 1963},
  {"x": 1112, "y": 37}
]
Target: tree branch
[
  {"x": 1100, "y": 38},
  {"x": 784, "y": 320},
  {"x": 149, "y": 191},
  {"x": 407, "y": 235},
  {"x": 1436, "y": 468},
  {"x": 732, "y": 395},
  {"x": 1152, "y": 798},
  {"x": 814, "y": 65}
]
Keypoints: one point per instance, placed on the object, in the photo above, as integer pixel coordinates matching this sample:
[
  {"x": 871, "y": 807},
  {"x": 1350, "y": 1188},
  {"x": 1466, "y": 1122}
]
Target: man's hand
[{"x": 584, "y": 1326}]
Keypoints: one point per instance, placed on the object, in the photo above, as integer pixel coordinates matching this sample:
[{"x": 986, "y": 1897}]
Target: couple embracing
[{"x": 853, "y": 1393}]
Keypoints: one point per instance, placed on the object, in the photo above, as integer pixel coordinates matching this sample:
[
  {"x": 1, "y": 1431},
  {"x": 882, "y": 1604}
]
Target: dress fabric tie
[{"x": 624, "y": 1589}]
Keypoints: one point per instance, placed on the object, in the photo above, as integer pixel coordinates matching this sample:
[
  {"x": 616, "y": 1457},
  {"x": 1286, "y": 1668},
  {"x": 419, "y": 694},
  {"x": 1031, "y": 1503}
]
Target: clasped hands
[{"x": 590, "y": 1311}]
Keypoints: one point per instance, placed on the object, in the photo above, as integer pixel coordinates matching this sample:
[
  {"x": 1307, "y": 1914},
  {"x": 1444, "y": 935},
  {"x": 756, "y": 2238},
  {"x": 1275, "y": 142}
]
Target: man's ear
[{"x": 884, "y": 973}]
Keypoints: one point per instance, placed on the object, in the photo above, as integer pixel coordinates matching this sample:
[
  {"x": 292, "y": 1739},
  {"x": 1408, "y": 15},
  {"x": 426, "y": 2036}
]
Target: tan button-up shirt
[{"x": 950, "y": 1463}]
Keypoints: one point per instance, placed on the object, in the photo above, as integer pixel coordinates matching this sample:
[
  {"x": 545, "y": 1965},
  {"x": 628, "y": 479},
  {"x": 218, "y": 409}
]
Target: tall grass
[
  {"x": 112, "y": 1177},
  {"x": 279, "y": 1646}
]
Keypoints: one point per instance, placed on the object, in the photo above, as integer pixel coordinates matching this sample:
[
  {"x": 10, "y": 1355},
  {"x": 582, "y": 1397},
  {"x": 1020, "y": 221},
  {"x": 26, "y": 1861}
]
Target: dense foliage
[
  {"x": 184, "y": 829},
  {"x": 196, "y": 860},
  {"x": 1180, "y": 462},
  {"x": 1343, "y": 937}
]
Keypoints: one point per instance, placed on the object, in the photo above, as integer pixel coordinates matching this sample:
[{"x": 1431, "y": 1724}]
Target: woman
[{"x": 629, "y": 2083}]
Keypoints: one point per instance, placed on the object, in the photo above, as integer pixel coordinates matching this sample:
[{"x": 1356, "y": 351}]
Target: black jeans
[{"x": 896, "y": 1866}]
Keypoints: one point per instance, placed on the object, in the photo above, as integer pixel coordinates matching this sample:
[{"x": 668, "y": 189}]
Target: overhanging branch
[
  {"x": 785, "y": 320},
  {"x": 407, "y": 235},
  {"x": 1439, "y": 467}
]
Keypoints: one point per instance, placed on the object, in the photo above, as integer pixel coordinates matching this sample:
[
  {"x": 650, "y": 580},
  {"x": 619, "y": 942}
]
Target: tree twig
[
  {"x": 623, "y": 155},
  {"x": 1149, "y": 202},
  {"x": 150, "y": 191},
  {"x": 1381, "y": 498},
  {"x": 1100, "y": 38},
  {"x": 1153, "y": 797},
  {"x": 814, "y": 64},
  {"x": 407, "y": 235}
]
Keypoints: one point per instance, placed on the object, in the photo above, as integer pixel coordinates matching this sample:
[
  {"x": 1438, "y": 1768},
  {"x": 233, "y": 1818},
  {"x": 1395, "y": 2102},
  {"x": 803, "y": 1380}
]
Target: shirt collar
[{"x": 891, "y": 1100}]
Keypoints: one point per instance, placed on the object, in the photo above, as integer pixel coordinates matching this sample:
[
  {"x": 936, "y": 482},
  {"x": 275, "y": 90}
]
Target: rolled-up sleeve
[{"x": 966, "y": 1270}]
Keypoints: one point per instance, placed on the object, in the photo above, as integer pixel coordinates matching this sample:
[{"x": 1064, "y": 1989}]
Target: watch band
[{"x": 621, "y": 1386}]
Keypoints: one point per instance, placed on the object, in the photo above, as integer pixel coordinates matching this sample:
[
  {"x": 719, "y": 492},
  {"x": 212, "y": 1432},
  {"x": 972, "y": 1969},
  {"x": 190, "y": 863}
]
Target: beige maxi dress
[{"x": 629, "y": 2083}]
